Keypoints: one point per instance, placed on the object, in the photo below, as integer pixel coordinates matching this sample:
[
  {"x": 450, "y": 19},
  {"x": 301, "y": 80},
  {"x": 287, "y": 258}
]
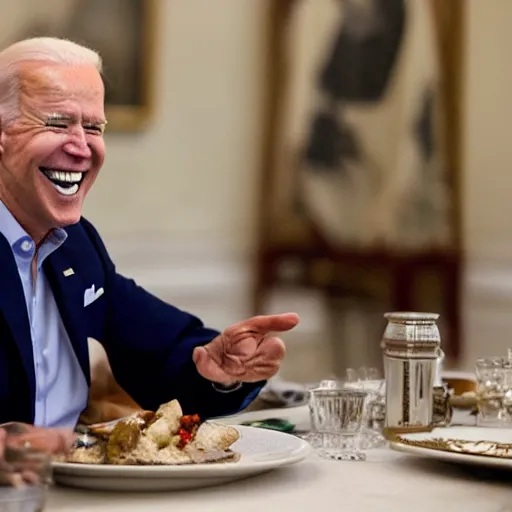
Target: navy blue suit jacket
[{"x": 149, "y": 343}]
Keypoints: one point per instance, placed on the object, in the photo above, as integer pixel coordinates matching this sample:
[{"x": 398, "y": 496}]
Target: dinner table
[{"x": 387, "y": 481}]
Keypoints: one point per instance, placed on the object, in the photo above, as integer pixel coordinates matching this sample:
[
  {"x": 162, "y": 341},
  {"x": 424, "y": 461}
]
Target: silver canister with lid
[{"x": 411, "y": 350}]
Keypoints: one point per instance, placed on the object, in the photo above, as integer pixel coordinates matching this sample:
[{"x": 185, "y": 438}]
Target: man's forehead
[{"x": 55, "y": 81}]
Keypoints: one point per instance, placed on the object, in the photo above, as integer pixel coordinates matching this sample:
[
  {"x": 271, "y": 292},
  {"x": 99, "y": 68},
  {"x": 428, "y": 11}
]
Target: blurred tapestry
[{"x": 361, "y": 150}]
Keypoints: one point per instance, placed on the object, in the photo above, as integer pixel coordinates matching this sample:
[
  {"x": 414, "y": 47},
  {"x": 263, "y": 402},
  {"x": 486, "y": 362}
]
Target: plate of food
[
  {"x": 480, "y": 446},
  {"x": 166, "y": 450}
]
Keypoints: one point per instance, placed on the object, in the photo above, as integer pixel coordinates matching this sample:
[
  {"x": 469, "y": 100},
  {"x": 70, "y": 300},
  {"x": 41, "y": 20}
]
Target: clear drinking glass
[
  {"x": 337, "y": 418},
  {"x": 494, "y": 392},
  {"x": 369, "y": 379},
  {"x": 24, "y": 472},
  {"x": 25, "y": 499}
]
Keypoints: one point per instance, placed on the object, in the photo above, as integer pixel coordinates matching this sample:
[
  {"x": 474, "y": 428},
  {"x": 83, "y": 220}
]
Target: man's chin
[
  {"x": 64, "y": 216},
  {"x": 58, "y": 209},
  {"x": 64, "y": 222}
]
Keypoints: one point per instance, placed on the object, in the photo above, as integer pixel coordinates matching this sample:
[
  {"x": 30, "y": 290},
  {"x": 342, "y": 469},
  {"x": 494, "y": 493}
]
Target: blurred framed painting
[
  {"x": 122, "y": 31},
  {"x": 363, "y": 129}
]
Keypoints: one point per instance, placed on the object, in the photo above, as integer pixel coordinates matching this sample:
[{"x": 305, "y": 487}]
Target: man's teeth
[
  {"x": 67, "y": 183},
  {"x": 66, "y": 191},
  {"x": 71, "y": 177}
]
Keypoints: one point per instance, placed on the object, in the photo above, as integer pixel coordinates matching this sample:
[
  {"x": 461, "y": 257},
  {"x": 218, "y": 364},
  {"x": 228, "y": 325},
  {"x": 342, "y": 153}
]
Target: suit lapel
[
  {"x": 14, "y": 310},
  {"x": 68, "y": 290}
]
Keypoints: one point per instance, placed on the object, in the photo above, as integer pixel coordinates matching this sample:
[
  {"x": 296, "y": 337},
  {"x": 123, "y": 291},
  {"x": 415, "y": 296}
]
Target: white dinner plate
[
  {"x": 261, "y": 451},
  {"x": 480, "y": 446}
]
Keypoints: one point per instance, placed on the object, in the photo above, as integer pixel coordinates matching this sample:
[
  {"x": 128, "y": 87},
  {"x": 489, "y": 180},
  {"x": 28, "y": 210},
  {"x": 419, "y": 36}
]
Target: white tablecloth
[{"x": 391, "y": 482}]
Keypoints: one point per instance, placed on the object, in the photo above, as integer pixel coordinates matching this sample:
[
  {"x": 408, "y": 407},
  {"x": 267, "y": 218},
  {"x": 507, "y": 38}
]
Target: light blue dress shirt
[{"x": 61, "y": 387}]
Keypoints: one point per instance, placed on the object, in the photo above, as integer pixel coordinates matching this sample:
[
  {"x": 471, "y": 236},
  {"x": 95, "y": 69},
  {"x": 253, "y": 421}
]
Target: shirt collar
[{"x": 20, "y": 242}]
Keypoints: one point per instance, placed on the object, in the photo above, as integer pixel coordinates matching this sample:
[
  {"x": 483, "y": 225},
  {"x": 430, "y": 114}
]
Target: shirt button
[{"x": 26, "y": 245}]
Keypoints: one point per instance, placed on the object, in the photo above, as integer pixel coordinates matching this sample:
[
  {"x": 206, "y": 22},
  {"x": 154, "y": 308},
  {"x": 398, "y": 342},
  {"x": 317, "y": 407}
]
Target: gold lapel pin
[{"x": 68, "y": 272}]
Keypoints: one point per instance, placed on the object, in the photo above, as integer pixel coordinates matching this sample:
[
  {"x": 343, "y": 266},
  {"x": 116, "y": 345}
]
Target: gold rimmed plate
[{"x": 465, "y": 445}]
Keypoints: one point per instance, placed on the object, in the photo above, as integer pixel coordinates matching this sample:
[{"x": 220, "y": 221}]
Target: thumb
[{"x": 200, "y": 356}]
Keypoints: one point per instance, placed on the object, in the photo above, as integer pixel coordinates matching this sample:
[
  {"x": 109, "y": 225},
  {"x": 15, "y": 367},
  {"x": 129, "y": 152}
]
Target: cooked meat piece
[
  {"x": 123, "y": 440},
  {"x": 104, "y": 430},
  {"x": 209, "y": 456},
  {"x": 214, "y": 436}
]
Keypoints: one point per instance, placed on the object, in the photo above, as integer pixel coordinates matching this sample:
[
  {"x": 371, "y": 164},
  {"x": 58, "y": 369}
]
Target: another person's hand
[
  {"x": 52, "y": 441},
  {"x": 245, "y": 352},
  {"x": 25, "y": 451}
]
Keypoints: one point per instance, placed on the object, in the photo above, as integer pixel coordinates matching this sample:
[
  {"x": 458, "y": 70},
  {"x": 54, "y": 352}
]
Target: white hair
[{"x": 41, "y": 49}]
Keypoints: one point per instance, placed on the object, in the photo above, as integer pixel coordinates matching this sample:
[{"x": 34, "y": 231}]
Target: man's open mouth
[{"x": 66, "y": 182}]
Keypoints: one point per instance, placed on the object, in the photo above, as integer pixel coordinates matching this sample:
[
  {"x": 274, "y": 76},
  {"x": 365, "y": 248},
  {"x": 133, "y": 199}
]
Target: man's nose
[{"x": 78, "y": 146}]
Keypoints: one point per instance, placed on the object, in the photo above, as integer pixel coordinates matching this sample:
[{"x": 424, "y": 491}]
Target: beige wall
[
  {"x": 487, "y": 179},
  {"x": 488, "y": 134},
  {"x": 194, "y": 170}
]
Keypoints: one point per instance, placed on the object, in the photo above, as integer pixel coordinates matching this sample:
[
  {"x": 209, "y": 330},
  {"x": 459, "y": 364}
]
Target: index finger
[{"x": 268, "y": 323}]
